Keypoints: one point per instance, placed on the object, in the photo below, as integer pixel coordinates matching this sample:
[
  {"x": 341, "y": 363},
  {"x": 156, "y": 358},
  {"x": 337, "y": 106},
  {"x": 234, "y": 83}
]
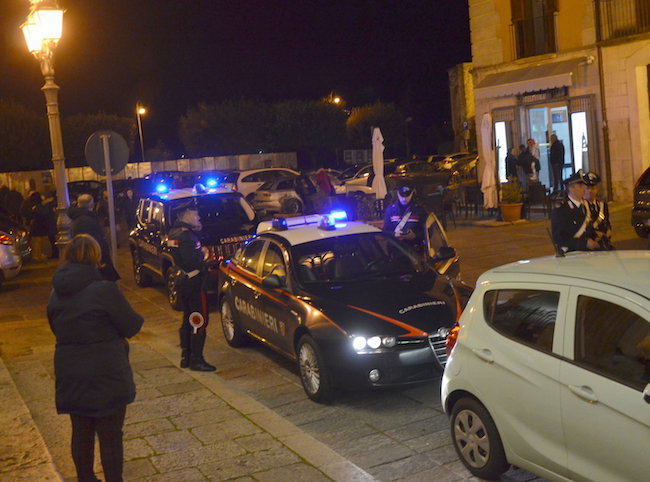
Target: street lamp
[
  {"x": 140, "y": 111},
  {"x": 42, "y": 32}
]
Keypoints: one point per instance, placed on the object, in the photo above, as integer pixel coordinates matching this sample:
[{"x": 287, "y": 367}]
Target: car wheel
[
  {"x": 292, "y": 206},
  {"x": 171, "y": 282},
  {"x": 641, "y": 231},
  {"x": 231, "y": 330},
  {"x": 141, "y": 277},
  {"x": 313, "y": 373},
  {"x": 476, "y": 439}
]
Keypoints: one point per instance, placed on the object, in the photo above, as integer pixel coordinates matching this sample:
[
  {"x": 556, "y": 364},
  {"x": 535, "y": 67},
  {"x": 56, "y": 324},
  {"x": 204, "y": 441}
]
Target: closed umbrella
[
  {"x": 488, "y": 181},
  {"x": 378, "y": 183}
]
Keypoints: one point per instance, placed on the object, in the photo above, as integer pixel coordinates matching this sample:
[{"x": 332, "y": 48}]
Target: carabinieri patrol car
[
  {"x": 352, "y": 305},
  {"x": 227, "y": 218}
]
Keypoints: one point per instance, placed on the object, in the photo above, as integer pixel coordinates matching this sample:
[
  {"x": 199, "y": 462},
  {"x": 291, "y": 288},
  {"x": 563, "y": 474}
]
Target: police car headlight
[
  {"x": 374, "y": 342},
  {"x": 359, "y": 343},
  {"x": 389, "y": 341}
]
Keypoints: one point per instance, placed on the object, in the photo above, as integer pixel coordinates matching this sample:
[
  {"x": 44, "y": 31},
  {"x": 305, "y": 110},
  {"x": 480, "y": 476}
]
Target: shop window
[
  {"x": 613, "y": 341},
  {"x": 534, "y": 26}
]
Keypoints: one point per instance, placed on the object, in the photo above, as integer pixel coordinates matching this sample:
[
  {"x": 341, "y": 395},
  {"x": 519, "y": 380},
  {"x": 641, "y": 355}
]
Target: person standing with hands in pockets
[
  {"x": 91, "y": 320},
  {"x": 189, "y": 257}
]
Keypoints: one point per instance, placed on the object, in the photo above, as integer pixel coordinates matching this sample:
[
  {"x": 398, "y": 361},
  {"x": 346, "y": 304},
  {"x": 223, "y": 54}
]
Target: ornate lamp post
[
  {"x": 42, "y": 32},
  {"x": 140, "y": 111}
]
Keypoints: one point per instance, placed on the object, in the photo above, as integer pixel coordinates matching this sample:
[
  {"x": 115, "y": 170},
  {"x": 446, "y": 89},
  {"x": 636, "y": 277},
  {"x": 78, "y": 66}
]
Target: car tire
[
  {"x": 171, "y": 283},
  {"x": 477, "y": 440},
  {"x": 292, "y": 206},
  {"x": 141, "y": 277},
  {"x": 232, "y": 332},
  {"x": 641, "y": 231},
  {"x": 313, "y": 374}
]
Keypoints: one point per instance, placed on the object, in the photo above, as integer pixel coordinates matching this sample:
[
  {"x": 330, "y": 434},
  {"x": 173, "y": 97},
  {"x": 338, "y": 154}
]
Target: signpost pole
[{"x": 109, "y": 188}]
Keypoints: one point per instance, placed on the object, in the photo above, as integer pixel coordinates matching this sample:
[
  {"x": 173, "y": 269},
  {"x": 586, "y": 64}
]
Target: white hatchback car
[
  {"x": 551, "y": 369},
  {"x": 10, "y": 258},
  {"x": 249, "y": 181}
]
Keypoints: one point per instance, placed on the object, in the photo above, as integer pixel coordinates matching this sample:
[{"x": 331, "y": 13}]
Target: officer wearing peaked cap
[
  {"x": 405, "y": 219},
  {"x": 571, "y": 219},
  {"x": 188, "y": 255},
  {"x": 600, "y": 229}
]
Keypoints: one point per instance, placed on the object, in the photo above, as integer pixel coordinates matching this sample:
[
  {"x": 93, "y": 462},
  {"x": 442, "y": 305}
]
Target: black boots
[{"x": 196, "y": 361}]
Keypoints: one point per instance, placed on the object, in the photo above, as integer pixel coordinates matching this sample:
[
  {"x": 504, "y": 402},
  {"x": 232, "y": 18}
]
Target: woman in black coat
[{"x": 90, "y": 319}]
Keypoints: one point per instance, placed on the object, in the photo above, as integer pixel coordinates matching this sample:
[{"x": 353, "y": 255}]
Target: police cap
[
  {"x": 405, "y": 191},
  {"x": 576, "y": 178},
  {"x": 592, "y": 178}
]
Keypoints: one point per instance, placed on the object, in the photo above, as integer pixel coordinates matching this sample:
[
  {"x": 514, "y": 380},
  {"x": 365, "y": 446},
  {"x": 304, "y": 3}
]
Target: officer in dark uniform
[
  {"x": 405, "y": 219},
  {"x": 189, "y": 257},
  {"x": 600, "y": 229},
  {"x": 570, "y": 220}
]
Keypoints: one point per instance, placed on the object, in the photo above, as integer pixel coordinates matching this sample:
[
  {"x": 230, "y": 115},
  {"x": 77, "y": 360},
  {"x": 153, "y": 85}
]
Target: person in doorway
[
  {"x": 91, "y": 320},
  {"x": 189, "y": 257},
  {"x": 85, "y": 221},
  {"x": 600, "y": 229},
  {"x": 556, "y": 158},
  {"x": 511, "y": 163},
  {"x": 571, "y": 219},
  {"x": 405, "y": 219},
  {"x": 533, "y": 150},
  {"x": 524, "y": 163}
]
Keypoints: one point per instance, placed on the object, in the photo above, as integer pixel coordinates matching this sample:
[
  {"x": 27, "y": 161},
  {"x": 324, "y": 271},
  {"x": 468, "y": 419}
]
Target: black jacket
[
  {"x": 416, "y": 222},
  {"x": 87, "y": 222},
  {"x": 188, "y": 255},
  {"x": 557, "y": 154},
  {"x": 566, "y": 221},
  {"x": 90, "y": 319}
]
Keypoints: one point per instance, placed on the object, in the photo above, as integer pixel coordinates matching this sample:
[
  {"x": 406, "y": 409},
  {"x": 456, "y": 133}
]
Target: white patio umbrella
[
  {"x": 488, "y": 181},
  {"x": 378, "y": 183}
]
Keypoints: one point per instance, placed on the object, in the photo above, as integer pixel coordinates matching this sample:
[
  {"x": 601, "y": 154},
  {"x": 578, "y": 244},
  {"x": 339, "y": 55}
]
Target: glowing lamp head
[{"x": 44, "y": 26}]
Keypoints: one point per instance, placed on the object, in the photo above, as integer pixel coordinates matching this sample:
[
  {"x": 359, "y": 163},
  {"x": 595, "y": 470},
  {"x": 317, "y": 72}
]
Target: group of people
[
  {"x": 581, "y": 221},
  {"x": 523, "y": 162}
]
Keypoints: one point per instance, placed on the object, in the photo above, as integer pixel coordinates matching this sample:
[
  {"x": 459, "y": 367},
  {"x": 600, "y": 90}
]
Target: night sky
[{"x": 171, "y": 55}]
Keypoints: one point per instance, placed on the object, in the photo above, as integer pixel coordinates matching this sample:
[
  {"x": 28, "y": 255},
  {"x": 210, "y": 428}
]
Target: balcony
[
  {"x": 622, "y": 18},
  {"x": 534, "y": 35}
]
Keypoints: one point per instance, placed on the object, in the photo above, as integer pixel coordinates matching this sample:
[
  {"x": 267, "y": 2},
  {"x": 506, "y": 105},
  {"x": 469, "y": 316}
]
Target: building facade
[{"x": 578, "y": 69}]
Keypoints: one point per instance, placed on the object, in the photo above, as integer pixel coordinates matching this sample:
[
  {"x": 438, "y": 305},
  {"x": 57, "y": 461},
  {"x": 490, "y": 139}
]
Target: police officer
[
  {"x": 189, "y": 257},
  {"x": 405, "y": 219},
  {"x": 600, "y": 229},
  {"x": 571, "y": 219}
]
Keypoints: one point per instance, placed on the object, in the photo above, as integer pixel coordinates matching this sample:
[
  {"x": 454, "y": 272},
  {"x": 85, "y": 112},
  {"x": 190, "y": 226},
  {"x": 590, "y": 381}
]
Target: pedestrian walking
[
  {"x": 405, "y": 219},
  {"x": 188, "y": 256},
  {"x": 91, "y": 320},
  {"x": 600, "y": 229},
  {"x": 571, "y": 219},
  {"x": 85, "y": 221},
  {"x": 556, "y": 157}
]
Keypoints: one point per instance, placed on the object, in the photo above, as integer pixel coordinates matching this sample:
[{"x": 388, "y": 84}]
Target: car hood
[{"x": 411, "y": 305}]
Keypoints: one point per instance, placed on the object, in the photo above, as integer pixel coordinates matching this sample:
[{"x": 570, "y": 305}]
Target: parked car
[
  {"x": 356, "y": 181},
  {"x": 18, "y": 231},
  {"x": 249, "y": 181},
  {"x": 94, "y": 188},
  {"x": 227, "y": 218},
  {"x": 353, "y": 306},
  {"x": 551, "y": 369},
  {"x": 443, "y": 162},
  {"x": 289, "y": 195},
  {"x": 641, "y": 208},
  {"x": 10, "y": 259}
]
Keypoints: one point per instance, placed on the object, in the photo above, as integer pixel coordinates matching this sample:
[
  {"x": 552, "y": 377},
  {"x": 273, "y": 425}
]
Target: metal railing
[{"x": 622, "y": 18}]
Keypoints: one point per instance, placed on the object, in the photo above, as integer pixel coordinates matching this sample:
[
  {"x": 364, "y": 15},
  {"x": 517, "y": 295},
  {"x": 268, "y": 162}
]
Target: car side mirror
[
  {"x": 646, "y": 393},
  {"x": 272, "y": 281},
  {"x": 444, "y": 253}
]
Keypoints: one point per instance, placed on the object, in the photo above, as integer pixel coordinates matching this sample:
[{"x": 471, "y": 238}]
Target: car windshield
[
  {"x": 352, "y": 258},
  {"x": 219, "y": 209},
  {"x": 349, "y": 173}
]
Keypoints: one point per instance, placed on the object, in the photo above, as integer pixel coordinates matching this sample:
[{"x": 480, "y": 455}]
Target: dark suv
[
  {"x": 227, "y": 218},
  {"x": 641, "y": 208}
]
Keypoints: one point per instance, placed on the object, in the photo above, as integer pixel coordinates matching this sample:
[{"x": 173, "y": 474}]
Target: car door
[
  {"x": 604, "y": 415},
  {"x": 515, "y": 366},
  {"x": 277, "y": 302},
  {"x": 147, "y": 250},
  {"x": 245, "y": 284}
]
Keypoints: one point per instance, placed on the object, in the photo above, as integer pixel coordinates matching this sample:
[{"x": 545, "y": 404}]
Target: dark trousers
[
  {"x": 109, "y": 433},
  {"x": 194, "y": 301},
  {"x": 556, "y": 176}
]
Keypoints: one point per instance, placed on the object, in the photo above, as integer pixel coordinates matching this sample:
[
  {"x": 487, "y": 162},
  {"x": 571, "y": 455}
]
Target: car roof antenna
[{"x": 559, "y": 252}]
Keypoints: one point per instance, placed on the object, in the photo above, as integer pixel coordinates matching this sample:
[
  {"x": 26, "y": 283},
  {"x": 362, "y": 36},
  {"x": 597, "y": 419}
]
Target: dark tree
[
  {"x": 24, "y": 139},
  {"x": 388, "y": 118}
]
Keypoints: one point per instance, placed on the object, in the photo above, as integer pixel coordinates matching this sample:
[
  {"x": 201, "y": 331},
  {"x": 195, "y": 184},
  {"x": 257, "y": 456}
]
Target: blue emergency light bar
[
  {"x": 211, "y": 182},
  {"x": 161, "y": 188},
  {"x": 324, "y": 221}
]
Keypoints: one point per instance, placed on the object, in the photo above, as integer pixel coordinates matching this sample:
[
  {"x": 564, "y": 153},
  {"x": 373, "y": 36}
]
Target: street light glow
[
  {"x": 142, "y": 111},
  {"x": 43, "y": 28}
]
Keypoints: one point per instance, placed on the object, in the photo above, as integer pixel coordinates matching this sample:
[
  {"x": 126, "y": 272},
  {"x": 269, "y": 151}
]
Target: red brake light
[
  {"x": 451, "y": 339},
  {"x": 6, "y": 239}
]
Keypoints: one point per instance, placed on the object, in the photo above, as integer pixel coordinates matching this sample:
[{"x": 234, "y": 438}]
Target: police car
[
  {"x": 352, "y": 305},
  {"x": 227, "y": 218}
]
